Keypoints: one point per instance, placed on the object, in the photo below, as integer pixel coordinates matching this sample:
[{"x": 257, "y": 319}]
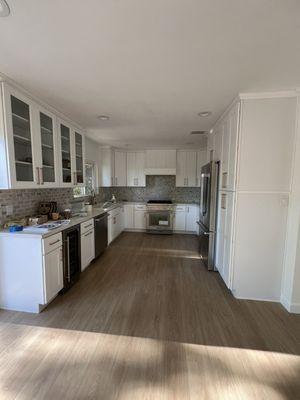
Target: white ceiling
[{"x": 151, "y": 65}]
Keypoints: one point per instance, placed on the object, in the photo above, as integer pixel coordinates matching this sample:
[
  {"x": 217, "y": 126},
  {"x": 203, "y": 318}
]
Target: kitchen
[{"x": 158, "y": 232}]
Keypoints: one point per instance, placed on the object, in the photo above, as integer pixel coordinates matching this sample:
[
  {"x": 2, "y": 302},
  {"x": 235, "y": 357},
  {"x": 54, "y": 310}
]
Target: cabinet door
[
  {"x": 191, "y": 168},
  {"x": 181, "y": 169},
  {"x": 78, "y": 151},
  {"x": 179, "y": 221},
  {"x": 192, "y": 215},
  {"x": 224, "y": 236},
  {"x": 67, "y": 155},
  {"x": 109, "y": 230},
  {"x": 218, "y": 142},
  {"x": 47, "y": 139},
  {"x": 87, "y": 248},
  {"x": 131, "y": 161},
  {"x": 22, "y": 152},
  {"x": 106, "y": 170},
  {"x": 234, "y": 128},
  {"x": 120, "y": 168},
  {"x": 201, "y": 161},
  {"x": 139, "y": 219},
  {"x": 128, "y": 217},
  {"x": 53, "y": 274},
  {"x": 140, "y": 169}
]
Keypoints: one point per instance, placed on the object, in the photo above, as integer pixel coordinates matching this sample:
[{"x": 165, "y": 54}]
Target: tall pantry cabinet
[{"x": 254, "y": 141}]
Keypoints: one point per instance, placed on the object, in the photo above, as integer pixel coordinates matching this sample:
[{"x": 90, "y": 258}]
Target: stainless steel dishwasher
[{"x": 100, "y": 224}]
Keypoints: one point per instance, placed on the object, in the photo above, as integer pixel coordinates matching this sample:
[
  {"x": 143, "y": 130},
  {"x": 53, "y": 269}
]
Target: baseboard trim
[
  {"x": 293, "y": 308},
  {"x": 275, "y": 300}
]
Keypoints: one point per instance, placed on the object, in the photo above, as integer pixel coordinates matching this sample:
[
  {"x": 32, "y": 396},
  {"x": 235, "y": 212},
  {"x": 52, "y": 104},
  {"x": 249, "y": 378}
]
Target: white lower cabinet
[
  {"x": 129, "y": 216},
  {"x": 186, "y": 217},
  {"x": 115, "y": 225},
  {"x": 139, "y": 219},
  {"x": 224, "y": 235},
  {"x": 179, "y": 218},
  {"x": 140, "y": 216},
  {"x": 53, "y": 273},
  {"x": 29, "y": 283},
  {"x": 87, "y": 248},
  {"x": 192, "y": 215}
]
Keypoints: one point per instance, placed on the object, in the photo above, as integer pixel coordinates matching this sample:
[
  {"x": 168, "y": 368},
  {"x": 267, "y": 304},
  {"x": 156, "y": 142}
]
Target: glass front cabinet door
[
  {"x": 79, "y": 159},
  {"x": 66, "y": 154},
  {"x": 48, "y": 152},
  {"x": 23, "y": 168}
]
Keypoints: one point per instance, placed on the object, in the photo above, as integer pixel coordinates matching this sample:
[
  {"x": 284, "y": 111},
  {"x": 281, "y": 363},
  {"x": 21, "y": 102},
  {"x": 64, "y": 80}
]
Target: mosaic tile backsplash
[
  {"x": 158, "y": 187},
  {"x": 25, "y": 201}
]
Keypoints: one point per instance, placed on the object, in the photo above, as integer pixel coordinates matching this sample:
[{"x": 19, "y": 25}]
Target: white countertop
[{"x": 73, "y": 221}]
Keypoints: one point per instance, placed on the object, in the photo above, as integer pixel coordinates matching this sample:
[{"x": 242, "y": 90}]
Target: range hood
[{"x": 160, "y": 162}]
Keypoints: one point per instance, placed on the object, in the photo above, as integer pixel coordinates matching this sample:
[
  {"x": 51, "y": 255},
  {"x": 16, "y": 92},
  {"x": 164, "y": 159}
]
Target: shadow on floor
[{"x": 156, "y": 287}]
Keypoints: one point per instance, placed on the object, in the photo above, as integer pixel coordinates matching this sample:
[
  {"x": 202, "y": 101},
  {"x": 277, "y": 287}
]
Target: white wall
[{"x": 290, "y": 294}]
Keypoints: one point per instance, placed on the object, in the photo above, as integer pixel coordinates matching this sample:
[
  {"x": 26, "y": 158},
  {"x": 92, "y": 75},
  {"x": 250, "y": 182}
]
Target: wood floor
[{"x": 148, "y": 321}]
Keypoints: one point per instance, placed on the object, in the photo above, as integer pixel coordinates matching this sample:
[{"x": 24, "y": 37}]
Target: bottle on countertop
[{"x": 113, "y": 199}]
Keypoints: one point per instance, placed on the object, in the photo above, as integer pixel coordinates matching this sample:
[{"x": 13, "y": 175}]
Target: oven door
[{"x": 160, "y": 221}]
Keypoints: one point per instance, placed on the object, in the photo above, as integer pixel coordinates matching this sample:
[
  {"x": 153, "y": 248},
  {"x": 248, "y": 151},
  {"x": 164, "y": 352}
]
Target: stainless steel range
[{"x": 160, "y": 216}]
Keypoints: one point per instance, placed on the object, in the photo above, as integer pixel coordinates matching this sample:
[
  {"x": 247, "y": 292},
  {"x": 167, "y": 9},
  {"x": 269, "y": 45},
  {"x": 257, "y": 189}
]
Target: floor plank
[{"x": 148, "y": 321}]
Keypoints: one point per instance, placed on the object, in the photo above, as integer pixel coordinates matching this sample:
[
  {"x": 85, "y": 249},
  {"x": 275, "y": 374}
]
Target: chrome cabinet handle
[
  {"x": 86, "y": 226},
  {"x": 224, "y": 179},
  {"x": 89, "y": 233},
  {"x": 56, "y": 241}
]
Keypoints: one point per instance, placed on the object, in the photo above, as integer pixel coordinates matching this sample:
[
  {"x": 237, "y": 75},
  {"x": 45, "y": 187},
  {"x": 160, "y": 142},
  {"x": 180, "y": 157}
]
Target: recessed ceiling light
[
  {"x": 198, "y": 132},
  {"x": 204, "y": 113},
  {"x": 4, "y": 9},
  {"x": 103, "y": 117}
]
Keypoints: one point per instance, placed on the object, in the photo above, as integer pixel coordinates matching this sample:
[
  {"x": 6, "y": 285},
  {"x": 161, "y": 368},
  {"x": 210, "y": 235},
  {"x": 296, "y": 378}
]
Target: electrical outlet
[{"x": 9, "y": 209}]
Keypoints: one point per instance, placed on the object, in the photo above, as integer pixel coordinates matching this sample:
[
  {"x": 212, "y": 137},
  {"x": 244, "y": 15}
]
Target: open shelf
[
  {"x": 20, "y": 118},
  {"x": 23, "y": 162},
  {"x": 22, "y": 138}
]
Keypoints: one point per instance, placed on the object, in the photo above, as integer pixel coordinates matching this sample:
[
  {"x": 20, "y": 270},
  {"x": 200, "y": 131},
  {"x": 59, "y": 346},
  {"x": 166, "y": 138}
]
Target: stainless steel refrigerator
[{"x": 208, "y": 213}]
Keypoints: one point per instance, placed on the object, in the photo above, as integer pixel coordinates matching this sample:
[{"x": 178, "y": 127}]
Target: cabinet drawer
[
  {"x": 140, "y": 207},
  {"x": 52, "y": 242},
  {"x": 114, "y": 212},
  {"x": 87, "y": 226}
]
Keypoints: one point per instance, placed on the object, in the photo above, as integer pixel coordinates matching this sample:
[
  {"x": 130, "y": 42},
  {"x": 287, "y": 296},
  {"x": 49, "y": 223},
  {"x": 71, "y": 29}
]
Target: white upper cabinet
[
  {"x": 72, "y": 151},
  {"x": 201, "y": 160},
  {"x": 79, "y": 157},
  {"x": 160, "y": 162},
  {"x": 229, "y": 128},
  {"x": 48, "y": 146},
  {"x": 67, "y": 154},
  {"x": 106, "y": 172},
  {"x": 22, "y": 161},
  {"x": 120, "y": 175},
  {"x": 186, "y": 168},
  {"x": 266, "y": 144},
  {"x": 136, "y": 168},
  {"x": 36, "y": 149}
]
